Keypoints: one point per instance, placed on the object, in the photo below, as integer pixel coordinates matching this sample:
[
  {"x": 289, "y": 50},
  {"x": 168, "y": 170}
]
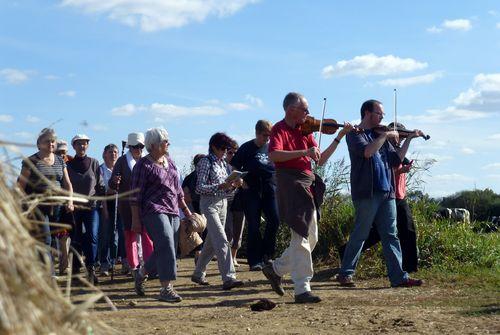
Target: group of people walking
[{"x": 270, "y": 176}]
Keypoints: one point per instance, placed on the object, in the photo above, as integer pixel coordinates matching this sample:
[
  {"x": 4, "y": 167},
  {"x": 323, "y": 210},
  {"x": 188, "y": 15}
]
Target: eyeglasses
[
  {"x": 305, "y": 110},
  {"x": 138, "y": 146},
  {"x": 382, "y": 114}
]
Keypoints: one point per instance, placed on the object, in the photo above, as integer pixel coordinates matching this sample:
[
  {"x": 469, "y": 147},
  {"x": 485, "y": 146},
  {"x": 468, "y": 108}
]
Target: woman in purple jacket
[{"x": 156, "y": 206}]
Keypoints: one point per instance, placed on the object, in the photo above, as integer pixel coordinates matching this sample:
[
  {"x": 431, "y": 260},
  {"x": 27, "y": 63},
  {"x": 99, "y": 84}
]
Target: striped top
[{"x": 54, "y": 173}]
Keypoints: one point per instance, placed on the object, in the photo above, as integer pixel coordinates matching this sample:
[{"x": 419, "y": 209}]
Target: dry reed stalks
[{"x": 31, "y": 302}]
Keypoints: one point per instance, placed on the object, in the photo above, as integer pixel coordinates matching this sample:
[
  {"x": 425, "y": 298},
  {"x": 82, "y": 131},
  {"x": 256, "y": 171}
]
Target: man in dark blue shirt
[
  {"x": 373, "y": 193},
  {"x": 258, "y": 195}
]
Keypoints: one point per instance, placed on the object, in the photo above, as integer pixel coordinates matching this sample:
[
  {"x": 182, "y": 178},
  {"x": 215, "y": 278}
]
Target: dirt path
[{"x": 371, "y": 307}]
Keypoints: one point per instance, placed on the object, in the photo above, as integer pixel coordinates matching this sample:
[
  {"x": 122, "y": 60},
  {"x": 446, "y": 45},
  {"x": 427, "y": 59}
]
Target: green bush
[
  {"x": 337, "y": 220},
  {"x": 451, "y": 246}
]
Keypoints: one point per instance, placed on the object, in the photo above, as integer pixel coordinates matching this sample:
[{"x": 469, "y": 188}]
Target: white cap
[
  {"x": 62, "y": 145},
  {"x": 135, "y": 139},
  {"x": 79, "y": 137}
]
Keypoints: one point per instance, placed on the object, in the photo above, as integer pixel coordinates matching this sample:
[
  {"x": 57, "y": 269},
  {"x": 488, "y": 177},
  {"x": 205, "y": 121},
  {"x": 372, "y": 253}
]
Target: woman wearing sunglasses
[{"x": 120, "y": 181}]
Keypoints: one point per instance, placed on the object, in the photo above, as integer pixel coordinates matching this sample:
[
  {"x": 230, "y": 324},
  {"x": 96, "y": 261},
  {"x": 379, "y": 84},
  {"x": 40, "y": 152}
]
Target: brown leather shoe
[
  {"x": 410, "y": 282},
  {"x": 274, "y": 279},
  {"x": 345, "y": 281},
  {"x": 200, "y": 280},
  {"x": 231, "y": 283}
]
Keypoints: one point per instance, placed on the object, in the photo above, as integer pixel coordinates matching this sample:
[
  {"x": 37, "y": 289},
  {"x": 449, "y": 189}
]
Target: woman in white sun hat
[{"x": 120, "y": 180}]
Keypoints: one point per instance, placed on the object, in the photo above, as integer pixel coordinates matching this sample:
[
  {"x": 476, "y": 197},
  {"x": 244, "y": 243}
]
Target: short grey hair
[
  {"x": 291, "y": 99},
  {"x": 155, "y": 136},
  {"x": 46, "y": 132}
]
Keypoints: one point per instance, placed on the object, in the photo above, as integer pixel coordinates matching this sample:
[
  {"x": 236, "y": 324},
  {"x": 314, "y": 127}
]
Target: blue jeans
[
  {"x": 163, "y": 229},
  {"x": 258, "y": 246},
  {"x": 48, "y": 215},
  {"x": 381, "y": 211},
  {"x": 111, "y": 238},
  {"x": 86, "y": 241}
]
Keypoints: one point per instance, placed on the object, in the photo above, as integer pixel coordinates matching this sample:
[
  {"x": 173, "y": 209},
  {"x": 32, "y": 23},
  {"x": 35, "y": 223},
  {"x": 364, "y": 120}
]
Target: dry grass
[{"x": 31, "y": 301}]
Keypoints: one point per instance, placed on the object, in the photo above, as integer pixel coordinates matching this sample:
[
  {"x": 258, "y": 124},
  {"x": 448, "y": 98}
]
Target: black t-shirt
[{"x": 256, "y": 162}]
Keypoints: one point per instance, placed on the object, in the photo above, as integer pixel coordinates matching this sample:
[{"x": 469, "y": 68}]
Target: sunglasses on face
[{"x": 138, "y": 146}]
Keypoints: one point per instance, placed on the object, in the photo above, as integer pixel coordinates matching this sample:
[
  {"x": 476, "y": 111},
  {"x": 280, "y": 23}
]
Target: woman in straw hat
[
  {"x": 86, "y": 179},
  {"x": 45, "y": 173},
  {"x": 156, "y": 206},
  {"x": 120, "y": 181}
]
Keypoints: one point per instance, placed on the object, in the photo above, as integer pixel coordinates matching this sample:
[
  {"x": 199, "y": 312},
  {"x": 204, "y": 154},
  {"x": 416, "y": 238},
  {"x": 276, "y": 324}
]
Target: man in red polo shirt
[{"x": 292, "y": 152}]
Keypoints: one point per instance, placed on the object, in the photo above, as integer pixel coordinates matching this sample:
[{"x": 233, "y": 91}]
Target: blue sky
[{"x": 107, "y": 68}]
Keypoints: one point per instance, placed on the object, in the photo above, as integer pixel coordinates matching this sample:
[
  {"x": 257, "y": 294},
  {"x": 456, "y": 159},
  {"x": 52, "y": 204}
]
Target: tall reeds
[{"x": 31, "y": 302}]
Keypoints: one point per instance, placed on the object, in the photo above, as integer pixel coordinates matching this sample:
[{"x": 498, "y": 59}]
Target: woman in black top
[
  {"x": 45, "y": 173},
  {"x": 86, "y": 180}
]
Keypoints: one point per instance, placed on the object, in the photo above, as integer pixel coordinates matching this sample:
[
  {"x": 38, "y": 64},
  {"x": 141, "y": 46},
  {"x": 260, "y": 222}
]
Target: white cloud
[
  {"x": 239, "y": 106},
  {"x": 153, "y": 15},
  {"x": 449, "y": 114},
  {"x": 493, "y": 12},
  {"x": 480, "y": 101},
  {"x": 458, "y": 24},
  {"x": 160, "y": 112},
  {"x": 32, "y": 119},
  {"x": 434, "y": 30},
  {"x": 468, "y": 151},
  {"x": 430, "y": 156},
  {"x": 409, "y": 81},
  {"x": 372, "y": 65},
  {"x": 6, "y": 118},
  {"x": 491, "y": 166},
  {"x": 494, "y": 137},
  {"x": 213, "y": 102},
  {"x": 452, "y": 177},
  {"x": 51, "y": 77},
  {"x": 15, "y": 76},
  {"x": 125, "y": 110},
  {"x": 498, "y": 25},
  {"x": 25, "y": 135},
  {"x": 69, "y": 94},
  {"x": 173, "y": 111},
  {"x": 254, "y": 100},
  {"x": 484, "y": 94},
  {"x": 250, "y": 103}
]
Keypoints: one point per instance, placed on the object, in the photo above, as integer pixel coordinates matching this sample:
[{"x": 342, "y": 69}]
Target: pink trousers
[{"x": 131, "y": 247}]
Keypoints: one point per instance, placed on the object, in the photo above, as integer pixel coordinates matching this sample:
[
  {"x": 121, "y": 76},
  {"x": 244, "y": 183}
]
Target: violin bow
[{"x": 321, "y": 123}]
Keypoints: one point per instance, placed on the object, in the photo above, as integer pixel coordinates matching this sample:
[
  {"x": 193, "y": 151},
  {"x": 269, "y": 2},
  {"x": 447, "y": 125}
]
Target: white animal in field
[{"x": 456, "y": 214}]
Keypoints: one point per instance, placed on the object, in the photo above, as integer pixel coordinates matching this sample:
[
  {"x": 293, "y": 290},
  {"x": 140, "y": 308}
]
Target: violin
[
  {"x": 403, "y": 132},
  {"x": 330, "y": 126}
]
